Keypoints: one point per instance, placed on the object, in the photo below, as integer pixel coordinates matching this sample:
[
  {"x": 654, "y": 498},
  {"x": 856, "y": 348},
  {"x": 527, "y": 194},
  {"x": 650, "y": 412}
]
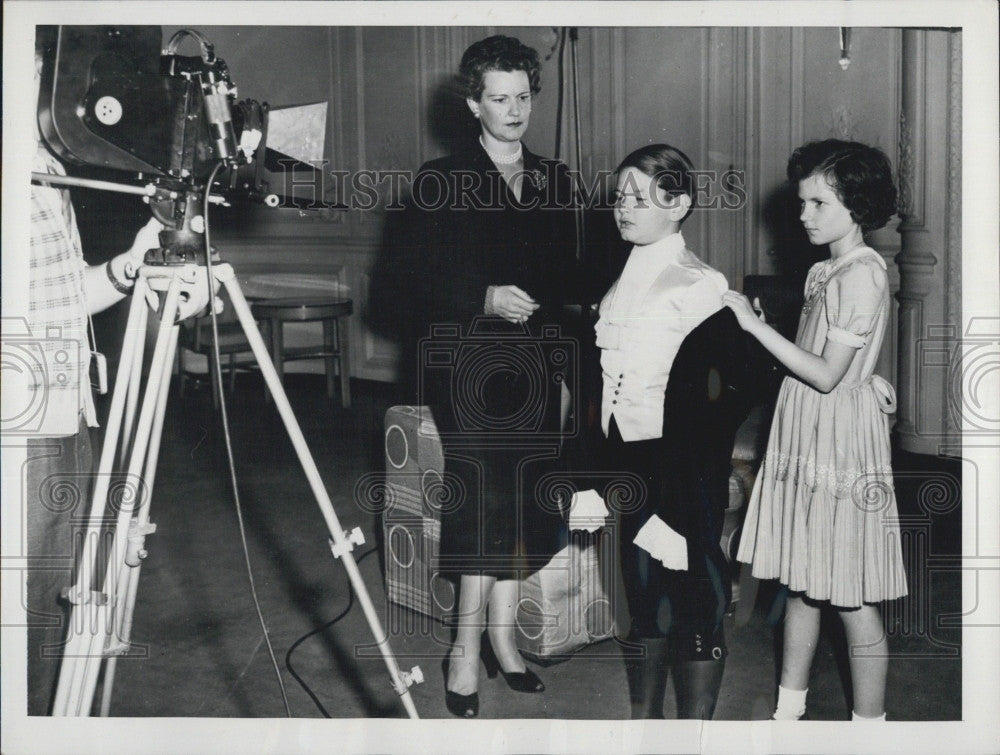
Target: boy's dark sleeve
[{"x": 708, "y": 398}]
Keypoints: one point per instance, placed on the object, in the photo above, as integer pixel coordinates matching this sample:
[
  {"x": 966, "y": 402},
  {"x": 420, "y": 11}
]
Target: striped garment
[{"x": 57, "y": 311}]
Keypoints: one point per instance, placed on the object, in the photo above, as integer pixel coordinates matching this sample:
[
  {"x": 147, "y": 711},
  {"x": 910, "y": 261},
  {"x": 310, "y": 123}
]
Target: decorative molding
[
  {"x": 894, "y": 104},
  {"x": 337, "y": 108},
  {"x": 797, "y": 86},
  {"x": 913, "y": 115},
  {"x": 930, "y": 254},
  {"x": 359, "y": 96},
  {"x": 618, "y": 75},
  {"x": 362, "y": 220},
  {"x": 599, "y": 159},
  {"x": 426, "y": 52},
  {"x": 758, "y": 261},
  {"x": 705, "y": 63},
  {"x": 842, "y": 121},
  {"x": 738, "y": 145},
  {"x": 904, "y": 168},
  {"x": 953, "y": 280},
  {"x": 954, "y": 218},
  {"x": 910, "y": 314}
]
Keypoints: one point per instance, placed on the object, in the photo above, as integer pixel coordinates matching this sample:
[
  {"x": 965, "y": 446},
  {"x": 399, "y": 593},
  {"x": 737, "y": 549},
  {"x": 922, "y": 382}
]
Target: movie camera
[{"x": 110, "y": 98}]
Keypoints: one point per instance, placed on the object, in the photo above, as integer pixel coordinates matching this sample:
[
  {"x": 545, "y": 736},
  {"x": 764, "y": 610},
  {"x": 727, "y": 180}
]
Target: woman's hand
[
  {"x": 744, "y": 311},
  {"x": 511, "y": 303}
]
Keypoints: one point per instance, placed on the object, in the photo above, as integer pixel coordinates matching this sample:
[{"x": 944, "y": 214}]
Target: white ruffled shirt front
[{"x": 663, "y": 294}]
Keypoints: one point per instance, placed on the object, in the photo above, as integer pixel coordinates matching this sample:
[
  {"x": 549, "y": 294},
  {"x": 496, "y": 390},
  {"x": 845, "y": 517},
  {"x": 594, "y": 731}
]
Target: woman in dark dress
[{"x": 494, "y": 236}]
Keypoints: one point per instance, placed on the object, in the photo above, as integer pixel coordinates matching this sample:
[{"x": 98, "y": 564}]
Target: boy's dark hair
[
  {"x": 669, "y": 166},
  {"x": 497, "y": 53},
  {"x": 860, "y": 175}
]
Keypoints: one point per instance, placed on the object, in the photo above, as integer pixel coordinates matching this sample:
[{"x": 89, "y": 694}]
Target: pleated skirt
[{"x": 822, "y": 518}]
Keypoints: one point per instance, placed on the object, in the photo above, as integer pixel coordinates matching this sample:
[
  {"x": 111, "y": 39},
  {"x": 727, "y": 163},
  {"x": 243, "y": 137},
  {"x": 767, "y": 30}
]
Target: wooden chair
[{"x": 332, "y": 313}]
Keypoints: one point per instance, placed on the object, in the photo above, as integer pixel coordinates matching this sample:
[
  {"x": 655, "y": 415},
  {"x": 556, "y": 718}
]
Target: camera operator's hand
[
  {"x": 147, "y": 238},
  {"x": 511, "y": 303},
  {"x": 194, "y": 296},
  {"x": 107, "y": 284}
]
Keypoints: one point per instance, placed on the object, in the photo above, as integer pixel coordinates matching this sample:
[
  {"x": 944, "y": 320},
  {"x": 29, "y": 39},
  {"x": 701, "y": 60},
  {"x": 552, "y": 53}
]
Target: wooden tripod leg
[
  {"x": 130, "y": 570},
  {"x": 76, "y": 648},
  {"x": 92, "y": 621},
  {"x": 341, "y": 546}
]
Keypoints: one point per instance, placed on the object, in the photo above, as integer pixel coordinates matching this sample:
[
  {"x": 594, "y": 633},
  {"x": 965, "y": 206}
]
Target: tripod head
[{"x": 182, "y": 241}]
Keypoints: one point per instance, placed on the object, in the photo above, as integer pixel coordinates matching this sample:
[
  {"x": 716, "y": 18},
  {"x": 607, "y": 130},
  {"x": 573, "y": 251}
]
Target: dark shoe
[
  {"x": 519, "y": 681},
  {"x": 463, "y": 706},
  {"x": 523, "y": 681}
]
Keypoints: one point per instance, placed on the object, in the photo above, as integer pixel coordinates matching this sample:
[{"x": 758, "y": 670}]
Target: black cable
[
  {"x": 207, "y": 48},
  {"x": 323, "y": 628},
  {"x": 225, "y": 432}
]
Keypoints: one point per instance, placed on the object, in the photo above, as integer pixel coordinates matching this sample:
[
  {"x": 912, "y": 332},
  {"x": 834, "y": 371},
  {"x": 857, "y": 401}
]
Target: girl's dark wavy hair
[
  {"x": 860, "y": 175},
  {"x": 497, "y": 53}
]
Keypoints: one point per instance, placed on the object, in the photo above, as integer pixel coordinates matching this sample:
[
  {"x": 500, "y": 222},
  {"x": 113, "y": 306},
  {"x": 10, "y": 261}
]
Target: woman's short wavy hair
[
  {"x": 497, "y": 53},
  {"x": 860, "y": 175}
]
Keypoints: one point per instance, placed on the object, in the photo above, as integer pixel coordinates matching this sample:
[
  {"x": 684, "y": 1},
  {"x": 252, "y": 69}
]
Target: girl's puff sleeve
[{"x": 854, "y": 299}]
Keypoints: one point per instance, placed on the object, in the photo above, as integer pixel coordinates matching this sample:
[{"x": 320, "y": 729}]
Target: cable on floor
[
  {"x": 323, "y": 628},
  {"x": 229, "y": 444}
]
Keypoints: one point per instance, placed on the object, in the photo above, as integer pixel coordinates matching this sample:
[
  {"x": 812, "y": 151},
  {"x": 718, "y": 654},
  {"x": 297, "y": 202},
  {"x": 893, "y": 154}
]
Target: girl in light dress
[{"x": 822, "y": 518}]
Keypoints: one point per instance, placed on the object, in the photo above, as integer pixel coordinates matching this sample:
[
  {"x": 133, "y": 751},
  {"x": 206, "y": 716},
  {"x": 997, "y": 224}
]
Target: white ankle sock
[
  {"x": 856, "y": 717},
  {"x": 791, "y": 704}
]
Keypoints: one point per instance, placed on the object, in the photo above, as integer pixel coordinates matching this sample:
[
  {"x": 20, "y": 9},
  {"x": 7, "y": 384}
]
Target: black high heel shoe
[
  {"x": 519, "y": 681},
  {"x": 463, "y": 706}
]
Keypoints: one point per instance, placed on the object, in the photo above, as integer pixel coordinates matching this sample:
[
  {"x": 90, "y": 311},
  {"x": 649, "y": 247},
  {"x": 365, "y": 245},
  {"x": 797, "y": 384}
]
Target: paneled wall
[{"x": 732, "y": 98}]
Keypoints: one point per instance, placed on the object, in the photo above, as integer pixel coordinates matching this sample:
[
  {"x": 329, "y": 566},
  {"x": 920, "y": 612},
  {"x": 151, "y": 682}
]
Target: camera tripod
[{"x": 101, "y": 619}]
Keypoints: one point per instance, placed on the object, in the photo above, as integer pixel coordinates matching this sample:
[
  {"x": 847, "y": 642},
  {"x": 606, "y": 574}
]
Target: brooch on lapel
[{"x": 539, "y": 179}]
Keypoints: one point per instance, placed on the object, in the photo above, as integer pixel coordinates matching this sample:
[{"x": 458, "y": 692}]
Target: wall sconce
[{"x": 845, "y": 47}]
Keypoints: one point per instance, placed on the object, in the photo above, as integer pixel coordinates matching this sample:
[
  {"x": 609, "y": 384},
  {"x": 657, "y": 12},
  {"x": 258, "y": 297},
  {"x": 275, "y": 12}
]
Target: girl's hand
[{"x": 744, "y": 311}]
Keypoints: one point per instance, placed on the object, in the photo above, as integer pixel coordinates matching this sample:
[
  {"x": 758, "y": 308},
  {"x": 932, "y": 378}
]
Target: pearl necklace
[{"x": 503, "y": 159}]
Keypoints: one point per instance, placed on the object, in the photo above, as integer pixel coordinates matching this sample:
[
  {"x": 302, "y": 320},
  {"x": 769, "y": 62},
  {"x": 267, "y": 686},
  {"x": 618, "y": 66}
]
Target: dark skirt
[
  {"x": 497, "y": 410},
  {"x": 498, "y": 526}
]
